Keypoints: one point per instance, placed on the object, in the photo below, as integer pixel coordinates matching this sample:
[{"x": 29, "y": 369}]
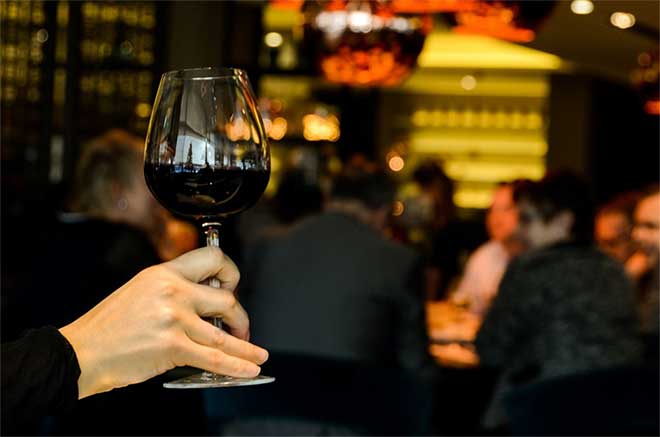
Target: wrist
[{"x": 91, "y": 379}]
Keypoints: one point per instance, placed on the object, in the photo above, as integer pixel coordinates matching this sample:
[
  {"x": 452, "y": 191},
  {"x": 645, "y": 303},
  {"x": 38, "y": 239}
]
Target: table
[{"x": 452, "y": 330}]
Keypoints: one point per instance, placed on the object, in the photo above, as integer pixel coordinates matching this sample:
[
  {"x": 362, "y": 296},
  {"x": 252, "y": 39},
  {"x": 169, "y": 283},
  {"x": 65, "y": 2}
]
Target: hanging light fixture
[
  {"x": 431, "y": 6},
  {"x": 363, "y": 43},
  {"x": 511, "y": 20}
]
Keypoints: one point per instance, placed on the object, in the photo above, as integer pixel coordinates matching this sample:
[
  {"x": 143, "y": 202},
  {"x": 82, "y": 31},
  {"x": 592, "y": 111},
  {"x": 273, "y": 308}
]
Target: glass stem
[{"x": 212, "y": 231}]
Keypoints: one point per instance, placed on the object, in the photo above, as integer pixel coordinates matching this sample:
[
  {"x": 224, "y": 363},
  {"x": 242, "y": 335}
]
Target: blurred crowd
[{"x": 336, "y": 288}]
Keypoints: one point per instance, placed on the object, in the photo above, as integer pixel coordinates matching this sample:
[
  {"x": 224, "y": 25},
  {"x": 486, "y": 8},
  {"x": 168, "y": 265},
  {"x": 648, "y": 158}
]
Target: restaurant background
[{"x": 582, "y": 94}]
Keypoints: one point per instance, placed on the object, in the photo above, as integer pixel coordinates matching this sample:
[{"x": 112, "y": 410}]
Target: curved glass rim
[{"x": 204, "y": 73}]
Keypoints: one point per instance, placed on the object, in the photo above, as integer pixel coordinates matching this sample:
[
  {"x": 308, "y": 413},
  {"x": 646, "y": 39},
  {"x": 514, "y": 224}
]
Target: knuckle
[
  {"x": 231, "y": 301},
  {"x": 218, "y": 361},
  {"x": 168, "y": 316},
  {"x": 168, "y": 289},
  {"x": 220, "y": 339}
]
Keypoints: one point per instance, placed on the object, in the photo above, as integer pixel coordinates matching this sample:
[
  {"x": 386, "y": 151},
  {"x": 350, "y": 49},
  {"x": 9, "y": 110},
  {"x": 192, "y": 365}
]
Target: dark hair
[
  {"x": 430, "y": 172},
  {"x": 374, "y": 189},
  {"x": 623, "y": 204},
  {"x": 558, "y": 192},
  {"x": 296, "y": 196},
  {"x": 650, "y": 190}
]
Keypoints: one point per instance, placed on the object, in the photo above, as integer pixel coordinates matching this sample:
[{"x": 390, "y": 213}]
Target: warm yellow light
[
  {"x": 468, "y": 82},
  {"x": 493, "y": 171},
  {"x": 317, "y": 128},
  {"x": 398, "y": 208},
  {"x": 396, "y": 163},
  {"x": 525, "y": 143},
  {"x": 473, "y": 198},
  {"x": 622, "y": 20},
  {"x": 278, "y": 128},
  {"x": 237, "y": 130},
  {"x": 273, "y": 39},
  {"x": 582, "y": 7},
  {"x": 143, "y": 110},
  {"x": 445, "y": 50}
]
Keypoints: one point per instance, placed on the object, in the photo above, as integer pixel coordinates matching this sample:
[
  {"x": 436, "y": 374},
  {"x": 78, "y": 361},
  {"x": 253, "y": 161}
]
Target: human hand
[{"x": 154, "y": 323}]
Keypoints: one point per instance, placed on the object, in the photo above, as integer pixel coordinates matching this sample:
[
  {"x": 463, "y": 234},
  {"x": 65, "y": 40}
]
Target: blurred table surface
[{"x": 452, "y": 330}]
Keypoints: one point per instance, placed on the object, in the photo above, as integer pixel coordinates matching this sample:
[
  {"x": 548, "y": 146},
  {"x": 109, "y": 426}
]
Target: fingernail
[
  {"x": 263, "y": 356},
  {"x": 256, "y": 370}
]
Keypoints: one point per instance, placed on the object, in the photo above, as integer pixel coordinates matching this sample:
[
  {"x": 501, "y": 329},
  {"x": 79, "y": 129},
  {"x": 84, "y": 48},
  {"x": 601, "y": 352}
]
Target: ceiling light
[
  {"x": 273, "y": 39},
  {"x": 468, "y": 82},
  {"x": 396, "y": 163},
  {"x": 582, "y": 7},
  {"x": 622, "y": 20}
]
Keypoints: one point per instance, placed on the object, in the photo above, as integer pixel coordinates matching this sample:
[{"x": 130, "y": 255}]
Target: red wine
[{"x": 204, "y": 191}]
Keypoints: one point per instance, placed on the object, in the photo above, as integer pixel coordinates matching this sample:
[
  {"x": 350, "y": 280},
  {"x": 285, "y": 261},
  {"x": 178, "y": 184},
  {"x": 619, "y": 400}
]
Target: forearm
[{"x": 39, "y": 376}]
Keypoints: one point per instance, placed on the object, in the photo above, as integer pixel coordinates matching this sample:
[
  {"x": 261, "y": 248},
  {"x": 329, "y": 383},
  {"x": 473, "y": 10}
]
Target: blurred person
[
  {"x": 129, "y": 200},
  {"x": 355, "y": 294},
  {"x": 613, "y": 227},
  {"x": 179, "y": 237},
  {"x": 644, "y": 267},
  {"x": 105, "y": 238},
  {"x": 449, "y": 239},
  {"x": 147, "y": 326},
  {"x": 485, "y": 267},
  {"x": 295, "y": 198},
  {"x": 563, "y": 307}
]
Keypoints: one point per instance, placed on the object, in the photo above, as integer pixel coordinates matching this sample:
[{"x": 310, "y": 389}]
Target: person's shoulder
[
  {"x": 560, "y": 255},
  {"x": 489, "y": 250}
]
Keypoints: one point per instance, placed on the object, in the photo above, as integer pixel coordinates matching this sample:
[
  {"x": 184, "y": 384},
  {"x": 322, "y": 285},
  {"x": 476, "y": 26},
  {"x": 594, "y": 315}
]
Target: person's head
[
  {"x": 613, "y": 226},
  {"x": 502, "y": 216},
  {"x": 435, "y": 183},
  {"x": 296, "y": 196},
  {"x": 556, "y": 209},
  {"x": 109, "y": 182},
  {"x": 366, "y": 194},
  {"x": 646, "y": 231}
]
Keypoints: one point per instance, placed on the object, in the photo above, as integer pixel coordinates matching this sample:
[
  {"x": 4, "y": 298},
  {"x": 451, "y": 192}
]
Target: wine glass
[{"x": 206, "y": 157}]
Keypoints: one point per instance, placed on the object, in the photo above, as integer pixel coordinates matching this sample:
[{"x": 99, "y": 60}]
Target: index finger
[{"x": 207, "y": 262}]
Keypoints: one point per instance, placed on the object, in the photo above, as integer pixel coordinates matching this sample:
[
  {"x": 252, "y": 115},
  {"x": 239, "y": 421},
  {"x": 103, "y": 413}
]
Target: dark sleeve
[
  {"x": 506, "y": 324},
  {"x": 39, "y": 376}
]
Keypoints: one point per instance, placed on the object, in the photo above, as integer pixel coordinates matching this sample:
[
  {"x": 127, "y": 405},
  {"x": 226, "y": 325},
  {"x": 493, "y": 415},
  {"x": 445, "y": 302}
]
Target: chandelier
[
  {"x": 510, "y": 20},
  {"x": 364, "y": 43}
]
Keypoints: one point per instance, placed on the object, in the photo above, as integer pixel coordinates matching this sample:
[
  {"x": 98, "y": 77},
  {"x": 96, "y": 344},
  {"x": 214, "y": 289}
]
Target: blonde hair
[{"x": 111, "y": 160}]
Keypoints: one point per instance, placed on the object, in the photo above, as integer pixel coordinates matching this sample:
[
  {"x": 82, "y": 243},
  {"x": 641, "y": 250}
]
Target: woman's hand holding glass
[{"x": 154, "y": 323}]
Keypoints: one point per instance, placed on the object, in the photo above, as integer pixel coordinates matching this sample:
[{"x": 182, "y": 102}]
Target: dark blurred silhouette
[
  {"x": 616, "y": 402},
  {"x": 105, "y": 238},
  {"x": 562, "y": 308},
  {"x": 332, "y": 294},
  {"x": 644, "y": 268},
  {"x": 296, "y": 197},
  {"x": 449, "y": 240}
]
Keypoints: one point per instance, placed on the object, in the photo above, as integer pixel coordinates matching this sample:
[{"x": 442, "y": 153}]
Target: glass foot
[{"x": 206, "y": 380}]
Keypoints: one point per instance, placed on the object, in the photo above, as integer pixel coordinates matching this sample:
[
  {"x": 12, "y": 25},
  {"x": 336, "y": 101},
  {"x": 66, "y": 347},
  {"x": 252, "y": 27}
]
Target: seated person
[
  {"x": 563, "y": 307},
  {"x": 356, "y": 294},
  {"x": 486, "y": 265},
  {"x": 646, "y": 234},
  {"x": 613, "y": 227}
]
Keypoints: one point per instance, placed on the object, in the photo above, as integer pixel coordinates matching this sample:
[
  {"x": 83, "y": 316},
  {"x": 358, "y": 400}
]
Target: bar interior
[{"x": 460, "y": 233}]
